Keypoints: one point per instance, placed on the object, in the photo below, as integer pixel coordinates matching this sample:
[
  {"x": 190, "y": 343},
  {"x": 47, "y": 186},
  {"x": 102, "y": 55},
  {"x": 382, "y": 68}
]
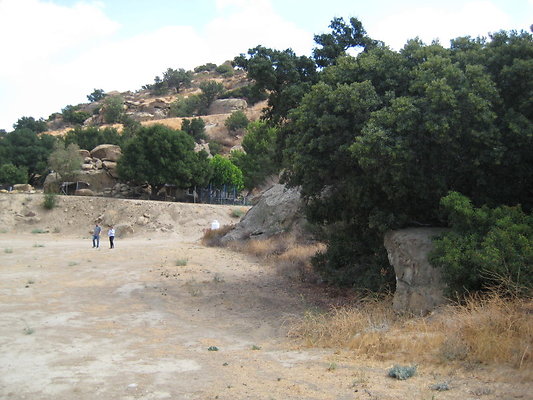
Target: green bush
[
  {"x": 12, "y": 174},
  {"x": 73, "y": 115},
  {"x": 113, "y": 109},
  {"x": 96, "y": 95},
  {"x": 194, "y": 127},
  {"x": 237, "y": 120},
  {"x": 50, "y": 201},
  {"x": 486, "y": 247},
  {"x": 206, "y": 68},
  {"x": 251, "y": 93},
  {"x": 225, "y": 70},
  {"x": 185, "y": 107}
]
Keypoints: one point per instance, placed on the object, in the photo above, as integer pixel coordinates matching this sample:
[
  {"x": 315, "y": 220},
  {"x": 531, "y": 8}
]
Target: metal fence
[{"x": 217, "y": 195}]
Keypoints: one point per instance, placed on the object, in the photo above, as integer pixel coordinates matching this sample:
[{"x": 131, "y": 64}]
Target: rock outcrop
[
  {"x": 419, "y": 287},
  {"x": 227, "y": 106},
  {"x": 107, "y": 152},
  {"x": 278, "y": 210}
]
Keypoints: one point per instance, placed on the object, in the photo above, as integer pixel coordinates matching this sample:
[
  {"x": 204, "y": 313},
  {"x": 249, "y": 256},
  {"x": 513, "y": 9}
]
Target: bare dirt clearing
[{"x": 138, "y": 322}]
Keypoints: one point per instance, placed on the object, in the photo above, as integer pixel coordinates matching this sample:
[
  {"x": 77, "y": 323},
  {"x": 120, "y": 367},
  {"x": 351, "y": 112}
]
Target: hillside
[
  {"x": 75, "y": 216},
  {"x": 148, "y": 108}
]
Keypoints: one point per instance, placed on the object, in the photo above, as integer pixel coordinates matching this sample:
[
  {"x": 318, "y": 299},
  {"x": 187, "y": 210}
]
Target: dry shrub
[
  {"x": 266, "y": 248},
  {"x": 345, "y": 327},
  {"x": 295, "y": 263},
  {"x": 492, "y": 330},
  {"x": 212, "y": 237}
]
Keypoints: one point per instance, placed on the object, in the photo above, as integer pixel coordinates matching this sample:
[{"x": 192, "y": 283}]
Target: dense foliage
[
  {"x": 486, "y": 247},
  {"x": 66, "y": 160},
  {"x": 197, "y": 104},
  {"x": 160, "y": 155},
  {"x": 10, "y": 174},
  {"x": 73, "y": 115},
  {"x": 173, "y": 79},
  {"x": 225, "y": 173},
  {"x": 375, "y": 141},
  {"x": 113, "y": 109},
  {"x": 194, "y": 127},
  {"x": 27, "y": 150},
  {"x": 96, "y": 95},
  {"x": 90, "y": 137},
  {"x": 236, "y": 121},
  {"x": 258, "y": 160}
]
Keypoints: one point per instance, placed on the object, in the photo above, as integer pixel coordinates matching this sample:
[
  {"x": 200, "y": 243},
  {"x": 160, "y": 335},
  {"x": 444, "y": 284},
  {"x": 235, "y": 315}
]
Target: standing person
[
  {"x": 96, "y": 236},
  {"x": 111, "y": 234}
]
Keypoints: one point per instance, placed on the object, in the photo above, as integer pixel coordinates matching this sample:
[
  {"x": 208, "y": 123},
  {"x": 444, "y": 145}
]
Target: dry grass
[
  {"x": 491, "y": 330},
  {"x": 212, "y": 237},
  {"x": 295, "y": 263},
  {"x": 291, "y": 258}
]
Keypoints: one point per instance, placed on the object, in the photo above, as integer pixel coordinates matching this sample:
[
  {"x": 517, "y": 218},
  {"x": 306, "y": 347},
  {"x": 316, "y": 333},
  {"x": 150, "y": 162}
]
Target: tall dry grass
[
  {"x": 287, "y": 254},
  {"x": 492, "y": 330}
]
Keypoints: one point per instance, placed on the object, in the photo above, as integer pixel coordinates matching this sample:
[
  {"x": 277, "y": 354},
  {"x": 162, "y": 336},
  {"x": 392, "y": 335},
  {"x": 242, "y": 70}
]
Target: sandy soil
[{"x": 138, "y": 321}]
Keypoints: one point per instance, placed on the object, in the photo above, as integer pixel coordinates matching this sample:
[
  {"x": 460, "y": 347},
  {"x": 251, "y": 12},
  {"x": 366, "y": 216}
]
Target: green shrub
[
  {"x": 215, "y": 148},
  {"x": 251, "y": 93},
  {"x": 194, "y": 127},
  {"x": 225, "y": 70},
  {"x": 206, "y": 68},
  {"x": 486, "y": 247},
  {"x": 50, "y": 201},
  {"x": 237, "y": 120},
  {"x": 12, "y": 174},
  {"x": 402, "y": 372},
  {"x": 185, "y": 107},
  {"x": 113, "y": 109},
  {"x": 73, "y": 114},
  {"x": 237, "y": 213}
]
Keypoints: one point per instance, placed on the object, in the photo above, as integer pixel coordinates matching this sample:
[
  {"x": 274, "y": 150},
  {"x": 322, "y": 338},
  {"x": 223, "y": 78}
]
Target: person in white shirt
[{"x": 111, "y": 234}]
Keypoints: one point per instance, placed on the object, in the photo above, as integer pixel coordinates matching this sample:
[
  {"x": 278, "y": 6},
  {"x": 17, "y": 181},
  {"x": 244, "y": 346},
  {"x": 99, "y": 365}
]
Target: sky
[{"x": 54, "y": 53}]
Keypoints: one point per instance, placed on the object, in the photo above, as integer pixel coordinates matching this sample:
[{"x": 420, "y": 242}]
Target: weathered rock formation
[
  {"x": 277, "y": 211},
  {"x": 227, "y": 106},
  {"x": 419, "y": 287},
  {"x": 107, "y": 152}
]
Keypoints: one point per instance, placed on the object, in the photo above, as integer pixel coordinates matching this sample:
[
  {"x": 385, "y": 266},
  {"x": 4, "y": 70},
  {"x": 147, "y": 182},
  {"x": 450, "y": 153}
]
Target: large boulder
[
  {"x": 278, "y": 210},
  {"x": 227, "y": 106},
  {"x": 98, "y": 179},
  {"x": 108, "y": 152},
  {"x": 419, "y": 286}
]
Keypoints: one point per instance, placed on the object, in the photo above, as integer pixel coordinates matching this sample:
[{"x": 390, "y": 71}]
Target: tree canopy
[
  {"x": 160, "y": 155},
  {"x": 258, "y": 160},
  {"x": 25, "y": 149},
  {"x": 375, "y": 140}
]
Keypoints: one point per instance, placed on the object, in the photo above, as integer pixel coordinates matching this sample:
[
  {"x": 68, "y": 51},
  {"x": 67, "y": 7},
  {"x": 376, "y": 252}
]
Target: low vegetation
[
  {"x": 490, "y": 330},
  {"x": 49, "y": 201}
]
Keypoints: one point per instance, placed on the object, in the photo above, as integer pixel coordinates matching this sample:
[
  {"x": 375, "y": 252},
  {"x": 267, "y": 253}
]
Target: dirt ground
[{"x": 162, "y": 317}]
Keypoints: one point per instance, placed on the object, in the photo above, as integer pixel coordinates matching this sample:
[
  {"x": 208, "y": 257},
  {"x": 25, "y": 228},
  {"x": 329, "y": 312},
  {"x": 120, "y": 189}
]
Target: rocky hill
[{"x": 148, "y": 109}]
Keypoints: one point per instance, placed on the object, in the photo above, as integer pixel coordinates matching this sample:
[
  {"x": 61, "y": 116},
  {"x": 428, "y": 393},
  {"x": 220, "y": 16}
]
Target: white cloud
[
  {"x": 428, "y": 23},
  {"x": 252, "y": 23},
  {"x": 57, "y": 55}
]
